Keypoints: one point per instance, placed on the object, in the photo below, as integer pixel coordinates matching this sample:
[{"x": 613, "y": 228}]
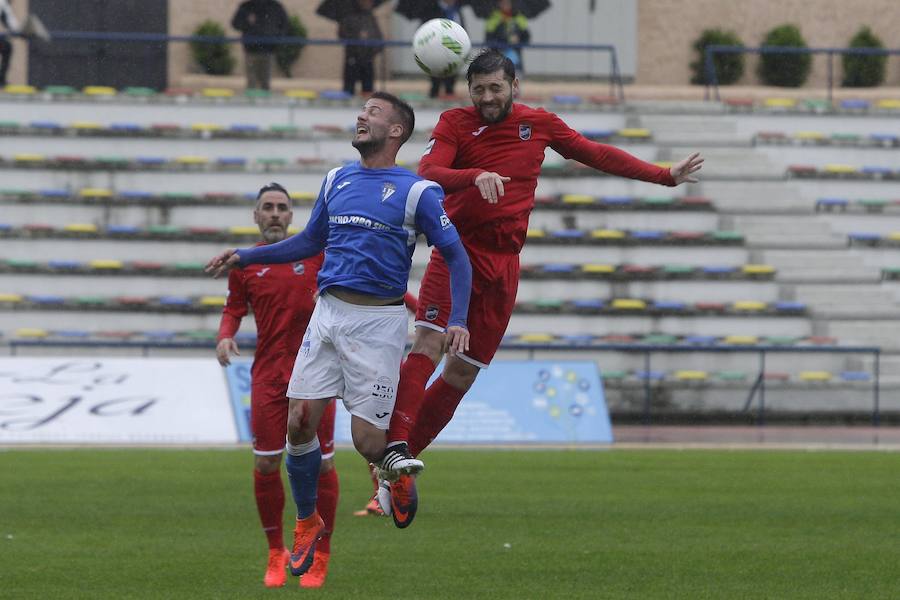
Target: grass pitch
[{"x": 491, "y": 524}]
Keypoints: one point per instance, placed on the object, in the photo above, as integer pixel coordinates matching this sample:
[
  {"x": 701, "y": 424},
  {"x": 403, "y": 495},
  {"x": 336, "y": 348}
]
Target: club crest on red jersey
[
  {"x": 299, "y": 268},
  {"x": 524, "y": 131}
]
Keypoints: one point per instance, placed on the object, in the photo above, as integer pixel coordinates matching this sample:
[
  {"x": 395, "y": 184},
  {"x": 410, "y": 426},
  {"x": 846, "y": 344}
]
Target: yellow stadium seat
[
  {"x": 23, "y": 90},
  {"x": 536, "y": 338},
  {"x": 628, "y": 304},
  {"x": 688, "y": 375},
  {"x": 302, "y": 94},
  {"x": 95, "y": 193},
  {"x": 840, "y": 169},
  {"x": 10, "y": 298},
  {"x": 758, "y": 269},
  {"x": 303, "y": 196},
  {"x": 780, "y": 103},
  {"x": 243, "y": 230},
  {"x": 293, "y": 229},
  {"x": 192, "y": 160},
  {"x": 99, "y": 90},
  {"x": 535, "y": 233},
  {"x": 809, "y": 135},
  {"x": 28, "y": 157},
  {"x": 206, "y": 127},
  {"x": 892, "y": 104},
  {"x": 815, "y": 376},
  {"x": 741, "y": 340},
  {"x": 86, "y": 125},
  {"x": 597, "y": 268},
  {"x": 31, "y": 332},
  {"x": 749, "y": 305},
  {"x": 80, "y": 228},
  {"x": 577, "y": 199},
  {"x": 212, "y": 301},
  {"x": 894, "y": 236},
  {"x": 634, "y": 133},
  {"x": 105, "y": 264},
  {"x": 218, "y": 92},
  {"x": 607, "y": 234}
]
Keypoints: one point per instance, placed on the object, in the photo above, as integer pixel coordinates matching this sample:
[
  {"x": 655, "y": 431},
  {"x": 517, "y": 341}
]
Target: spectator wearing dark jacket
[
  {"x": 359, "y": 60},
  {"x": 10, "y": 23},
  {"x": 254, "y": 19}
]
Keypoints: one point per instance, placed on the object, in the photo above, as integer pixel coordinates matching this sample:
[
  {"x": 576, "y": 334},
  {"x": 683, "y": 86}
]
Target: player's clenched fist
[
  {"x": 222, "y": 263},
  {"x": 457, "y": 340},
  {"x": 491, "y": 186}
]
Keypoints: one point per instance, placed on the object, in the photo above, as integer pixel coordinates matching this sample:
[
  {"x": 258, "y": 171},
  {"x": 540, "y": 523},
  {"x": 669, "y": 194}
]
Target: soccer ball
[{"x": 440, "y": 47}]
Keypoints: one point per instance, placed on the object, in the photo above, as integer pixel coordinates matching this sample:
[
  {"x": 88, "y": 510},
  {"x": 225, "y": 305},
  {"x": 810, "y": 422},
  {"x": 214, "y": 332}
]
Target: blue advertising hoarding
[{"x": 511, "y": 402}]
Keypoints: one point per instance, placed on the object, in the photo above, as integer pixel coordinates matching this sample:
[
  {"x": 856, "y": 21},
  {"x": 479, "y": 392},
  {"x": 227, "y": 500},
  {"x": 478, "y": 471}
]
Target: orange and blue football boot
[{"x": 306, "y": 533}]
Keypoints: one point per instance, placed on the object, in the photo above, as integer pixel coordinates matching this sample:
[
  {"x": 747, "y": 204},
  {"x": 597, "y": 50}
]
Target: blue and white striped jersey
[{"x": 367, "y": 220}]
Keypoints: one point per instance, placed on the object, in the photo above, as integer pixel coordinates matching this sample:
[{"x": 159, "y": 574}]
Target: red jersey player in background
[
  {"x": 283, "y": 297},
  {"x": 487, "y": 157}
]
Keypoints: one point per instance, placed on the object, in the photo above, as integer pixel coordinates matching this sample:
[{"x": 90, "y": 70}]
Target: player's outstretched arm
[
  {"x": 683, "y": 170},
  {"x": 221, "y": 263}
]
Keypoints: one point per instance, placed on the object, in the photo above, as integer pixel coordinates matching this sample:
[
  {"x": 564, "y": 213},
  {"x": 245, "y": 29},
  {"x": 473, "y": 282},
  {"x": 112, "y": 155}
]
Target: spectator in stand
[
  {"x": 11, "y": 24},
  {"x": 442, "y": 9},
  {"x": 359, "y": 60},
  {"x": 506, "y": 26},
  {"x": 256, "y": 19}
]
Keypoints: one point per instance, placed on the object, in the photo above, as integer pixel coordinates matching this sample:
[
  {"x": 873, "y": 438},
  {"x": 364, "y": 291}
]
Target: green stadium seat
[
  {"x": 730, "y": 376},
  {"x": 255, "y": 93},
  {"x": 613, "y": 375},
  {"x": 60, "y": 90},
  {"x": 139, "y": 92}
]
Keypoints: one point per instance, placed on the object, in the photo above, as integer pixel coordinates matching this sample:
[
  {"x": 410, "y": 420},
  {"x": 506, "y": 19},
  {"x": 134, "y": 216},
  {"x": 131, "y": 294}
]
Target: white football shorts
[{"x": 352, "y": 352}]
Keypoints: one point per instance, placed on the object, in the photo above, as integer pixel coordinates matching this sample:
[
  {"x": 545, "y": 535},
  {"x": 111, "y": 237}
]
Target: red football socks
[
  {"x": 326, "y": 504},
  {"x": 414, "y": 375},
  {"x": 441, "y": 400},
  {"x": 270, "y": 504}
]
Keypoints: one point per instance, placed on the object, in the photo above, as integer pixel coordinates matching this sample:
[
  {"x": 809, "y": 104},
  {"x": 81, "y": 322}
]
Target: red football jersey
[
  {"x": 283, "y": 298},
  {"x": 463, "y": 146}
]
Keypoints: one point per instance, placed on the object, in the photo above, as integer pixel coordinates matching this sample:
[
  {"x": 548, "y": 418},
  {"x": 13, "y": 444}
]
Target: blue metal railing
[
  {"x": 712, "y": 81},
  {"x": 617, "y": 89}
]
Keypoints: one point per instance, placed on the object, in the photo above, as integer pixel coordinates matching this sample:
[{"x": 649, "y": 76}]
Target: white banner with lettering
[{"x": 114, "y": 401}]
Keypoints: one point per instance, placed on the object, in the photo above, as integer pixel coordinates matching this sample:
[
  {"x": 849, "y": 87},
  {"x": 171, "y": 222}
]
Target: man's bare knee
[
  {"x": 429, "y": 342},
  {"x": 460, "y": 374}
]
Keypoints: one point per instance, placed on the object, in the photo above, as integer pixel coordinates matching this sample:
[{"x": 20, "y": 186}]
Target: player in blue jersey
[{"x": 366, "y": 218}]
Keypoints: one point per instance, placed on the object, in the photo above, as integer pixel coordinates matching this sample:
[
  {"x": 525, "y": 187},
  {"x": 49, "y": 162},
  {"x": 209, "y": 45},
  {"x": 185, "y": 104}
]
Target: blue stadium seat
[
  {"x": 651, "y": 375},
  {"x": 131, "y": 127},
  {"x": 245, "y": 337},
  {"x": 568, "y": 99},
  {"x": 122, "y": 230},
  {"x": 578, "y": 339},
  {"x": 150, "y": 161},
  {"x": 135, "y": 195},
  {"x": 670, "y": 305},
  {"x": 877, "y": 171},
  {"x": 5, "y": 227},
  {"x": 335, "y": 95},
  {"x": 784, "y": 306},
  {"x": 856, "y": 376},
  {"x": 832, "y": 202},
  {"x": 79, "y": 334},
  {"x": 159, "y": 335},
  {"x": 567, "y": 234},
  {"x": 617, "y": 200},
  {"x": 588, "y": 304},
  {"x": 50, "y": 193},
  {"x": 718, "y": 270},
  {"x": 648, "y": 234},
  {"x": 232, "y": 161},
  {"x": 244, "y": 128},
  {"x": 864, "y": 237},
  {"x": 175, "y": 301},
  {"x": 598, "y": 134},
  {"x": 700, "y": 340},
  {"x": 64, "y": 265},
  {"x": 46, "y": 299},
  {"x": 45, "y": 125},
  {"x": 855, "y": 104},
  {"x": 889, "y": 138},
  {"x": 559, "y": 268}
]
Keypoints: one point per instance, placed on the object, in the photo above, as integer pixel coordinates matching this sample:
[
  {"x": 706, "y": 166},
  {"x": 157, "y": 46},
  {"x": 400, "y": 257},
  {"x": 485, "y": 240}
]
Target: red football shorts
[
  {"x": 268, "y": 420},
  {"x": 495, "y": 280}
]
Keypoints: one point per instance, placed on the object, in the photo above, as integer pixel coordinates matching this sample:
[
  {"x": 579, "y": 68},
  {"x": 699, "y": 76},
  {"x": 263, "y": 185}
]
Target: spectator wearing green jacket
[{"x": 505, "y": 26}]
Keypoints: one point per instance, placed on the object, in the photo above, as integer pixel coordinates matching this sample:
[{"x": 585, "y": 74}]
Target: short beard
[
  {"x": 504, "y": 112},
  {"x": 270, "y": 236},
  {"x": 369, "y": 147}
]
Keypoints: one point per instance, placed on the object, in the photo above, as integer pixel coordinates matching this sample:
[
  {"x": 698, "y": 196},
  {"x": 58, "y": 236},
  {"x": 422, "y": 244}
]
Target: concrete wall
[{"x": 668, "y": 28}]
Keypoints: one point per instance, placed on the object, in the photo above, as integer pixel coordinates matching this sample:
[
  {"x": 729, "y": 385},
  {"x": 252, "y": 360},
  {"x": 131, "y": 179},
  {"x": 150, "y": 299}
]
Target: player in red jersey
[
  {"x": 487, "y": 157},
  {"x": 283, "y": 298}
]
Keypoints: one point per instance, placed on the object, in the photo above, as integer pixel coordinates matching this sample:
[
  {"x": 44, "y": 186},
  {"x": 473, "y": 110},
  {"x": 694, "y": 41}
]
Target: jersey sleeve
[
  {"x": 236, "y": 306},
  {"x": 603, "y": 157},
  {"x": 440, "y": 153},
  {"x": 309, "y": 242},
  {"x": 432, "y": 220}
]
